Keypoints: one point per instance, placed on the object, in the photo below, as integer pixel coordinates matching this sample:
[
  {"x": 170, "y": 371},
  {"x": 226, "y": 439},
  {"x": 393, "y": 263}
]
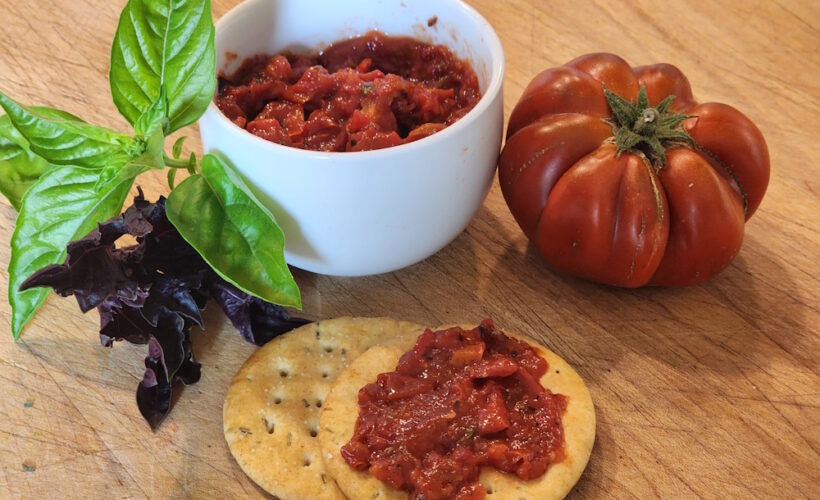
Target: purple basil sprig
[{"x": 152, "y": 293}]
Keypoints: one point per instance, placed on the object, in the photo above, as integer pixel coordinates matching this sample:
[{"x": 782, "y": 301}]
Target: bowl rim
[{"x": 494, "y": 88}]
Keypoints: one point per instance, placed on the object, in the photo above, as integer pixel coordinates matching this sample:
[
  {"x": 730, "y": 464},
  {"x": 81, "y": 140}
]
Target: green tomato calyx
[{"x": 642, "y": 128}]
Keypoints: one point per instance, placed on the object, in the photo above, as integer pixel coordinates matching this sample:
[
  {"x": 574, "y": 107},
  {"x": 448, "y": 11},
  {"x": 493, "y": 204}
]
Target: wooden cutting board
[{"x": 710, "y": 391}]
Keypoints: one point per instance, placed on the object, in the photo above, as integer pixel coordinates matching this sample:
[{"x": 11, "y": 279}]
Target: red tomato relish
[
  {"x": 460, "y": 400},
  {"x": 369, "y": 92}
]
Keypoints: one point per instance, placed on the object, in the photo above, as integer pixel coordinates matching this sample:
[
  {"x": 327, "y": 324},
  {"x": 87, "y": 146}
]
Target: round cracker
[
  {"x": 341, "y": 409},
  {"x": 271, "y": 412}
]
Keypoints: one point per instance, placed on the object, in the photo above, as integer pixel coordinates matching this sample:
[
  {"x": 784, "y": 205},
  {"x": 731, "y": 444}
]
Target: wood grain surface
[{"x": 711, "y": 391}]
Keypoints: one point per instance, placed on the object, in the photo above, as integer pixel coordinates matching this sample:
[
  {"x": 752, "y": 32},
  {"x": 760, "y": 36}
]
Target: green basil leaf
[
  {"x": 65, "y": 141},
  {"x": 154, "y": 118},
  {"x": 11, "y": 133},
  {"x": 168, "y": 42},
  {"x": 176, "y": 150},
  {"x": 19, "y": 166},
  {"x": 55, "y": 114},
  {"x": 150, "y": 129},
  {"x": 219, "y": 216},
  {"x": 64, "y": 205},
  {"x": 151, "y": 159}
]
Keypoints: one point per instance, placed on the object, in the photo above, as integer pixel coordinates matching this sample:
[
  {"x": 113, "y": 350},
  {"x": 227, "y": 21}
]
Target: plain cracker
[
  {"x": 339, "y": 414},
  {"x": 271, "y": 412}
]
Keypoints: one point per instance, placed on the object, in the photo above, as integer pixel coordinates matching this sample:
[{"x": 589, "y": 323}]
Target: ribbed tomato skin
[{"x": 615, "y": 218}]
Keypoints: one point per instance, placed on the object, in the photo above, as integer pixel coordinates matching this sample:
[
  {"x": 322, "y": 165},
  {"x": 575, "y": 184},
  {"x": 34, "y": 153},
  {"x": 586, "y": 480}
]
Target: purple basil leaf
[
  {"x": 91, "y": 273},
  {"x": 257, "y": 321},
  {"x": 165, "y": 251},
  {"x": 172, "y": 295},
  {"x": 139, "y": 218},
  {"x": 169, "y": 359},
  {"x": 270, "y": 320},
  {"x": 120, "y": 322},
  {"x": 170, "y": 335},
  {"x": 190, "y": 371},
  {"x": 154, "y": 392}
]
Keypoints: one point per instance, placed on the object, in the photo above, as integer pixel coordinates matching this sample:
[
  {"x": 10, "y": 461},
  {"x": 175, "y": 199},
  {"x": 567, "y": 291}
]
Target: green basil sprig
[{"x": 64, "y": 176}]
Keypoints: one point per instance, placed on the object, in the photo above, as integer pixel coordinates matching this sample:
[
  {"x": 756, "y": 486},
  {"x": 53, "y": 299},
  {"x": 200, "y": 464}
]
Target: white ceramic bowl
[{"x": 352, "y": 214}]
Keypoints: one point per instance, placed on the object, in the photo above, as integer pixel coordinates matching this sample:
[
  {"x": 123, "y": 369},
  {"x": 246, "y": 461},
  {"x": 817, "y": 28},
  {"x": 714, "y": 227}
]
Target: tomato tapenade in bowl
[{"x": 370, "y": 129}]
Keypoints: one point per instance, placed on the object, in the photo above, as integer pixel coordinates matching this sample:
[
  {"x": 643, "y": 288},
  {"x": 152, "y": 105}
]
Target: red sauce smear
[
  {"x": 460, "y": 400},
  {"x": 369, "y": 92}
]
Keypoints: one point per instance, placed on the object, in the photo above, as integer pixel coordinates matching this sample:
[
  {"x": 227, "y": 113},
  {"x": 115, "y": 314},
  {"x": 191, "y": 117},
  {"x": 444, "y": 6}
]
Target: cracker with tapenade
[
  {"x": 341, "y": 410},
  {"x": 271, "y": 412}
]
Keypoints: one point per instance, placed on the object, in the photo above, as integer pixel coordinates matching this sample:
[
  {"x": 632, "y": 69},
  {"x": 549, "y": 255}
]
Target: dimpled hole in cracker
[{"x": 272, "y": 409}]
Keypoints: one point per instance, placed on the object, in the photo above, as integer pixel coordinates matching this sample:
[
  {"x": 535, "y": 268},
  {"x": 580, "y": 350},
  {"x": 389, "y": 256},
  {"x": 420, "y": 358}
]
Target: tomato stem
[
  {"x": 640, "y": 127},
  {"x": 646, "y": 122}
]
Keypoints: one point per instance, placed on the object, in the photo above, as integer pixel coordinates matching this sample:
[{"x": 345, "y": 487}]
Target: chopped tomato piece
[
  {"x": 492, "y": 414},
  {"x": 530, "y": 384},
  {"x": 424, "y": 130},
  {"x": 497, "y": 453},
  {"x": 396, "y": 386},
  {"x": 496, "y": 365},
  {"x": 448, "y": 339},
  {"x": 278, "y": 68},
  {"x": 467, "y": 355},
  {"x": 356, "y": 455},
  {"x": 270, "y": 130}
]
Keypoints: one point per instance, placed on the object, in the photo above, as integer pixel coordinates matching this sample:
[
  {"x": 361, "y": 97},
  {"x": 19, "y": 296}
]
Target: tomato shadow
[
  {"x": 715, "y": 326},
  {"x": 652, "y": 356},
  {"x": 739, "y": 319}
]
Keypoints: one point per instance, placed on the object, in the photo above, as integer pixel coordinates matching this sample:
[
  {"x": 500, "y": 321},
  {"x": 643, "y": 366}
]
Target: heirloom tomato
[{"x": 617, "y": 175}]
